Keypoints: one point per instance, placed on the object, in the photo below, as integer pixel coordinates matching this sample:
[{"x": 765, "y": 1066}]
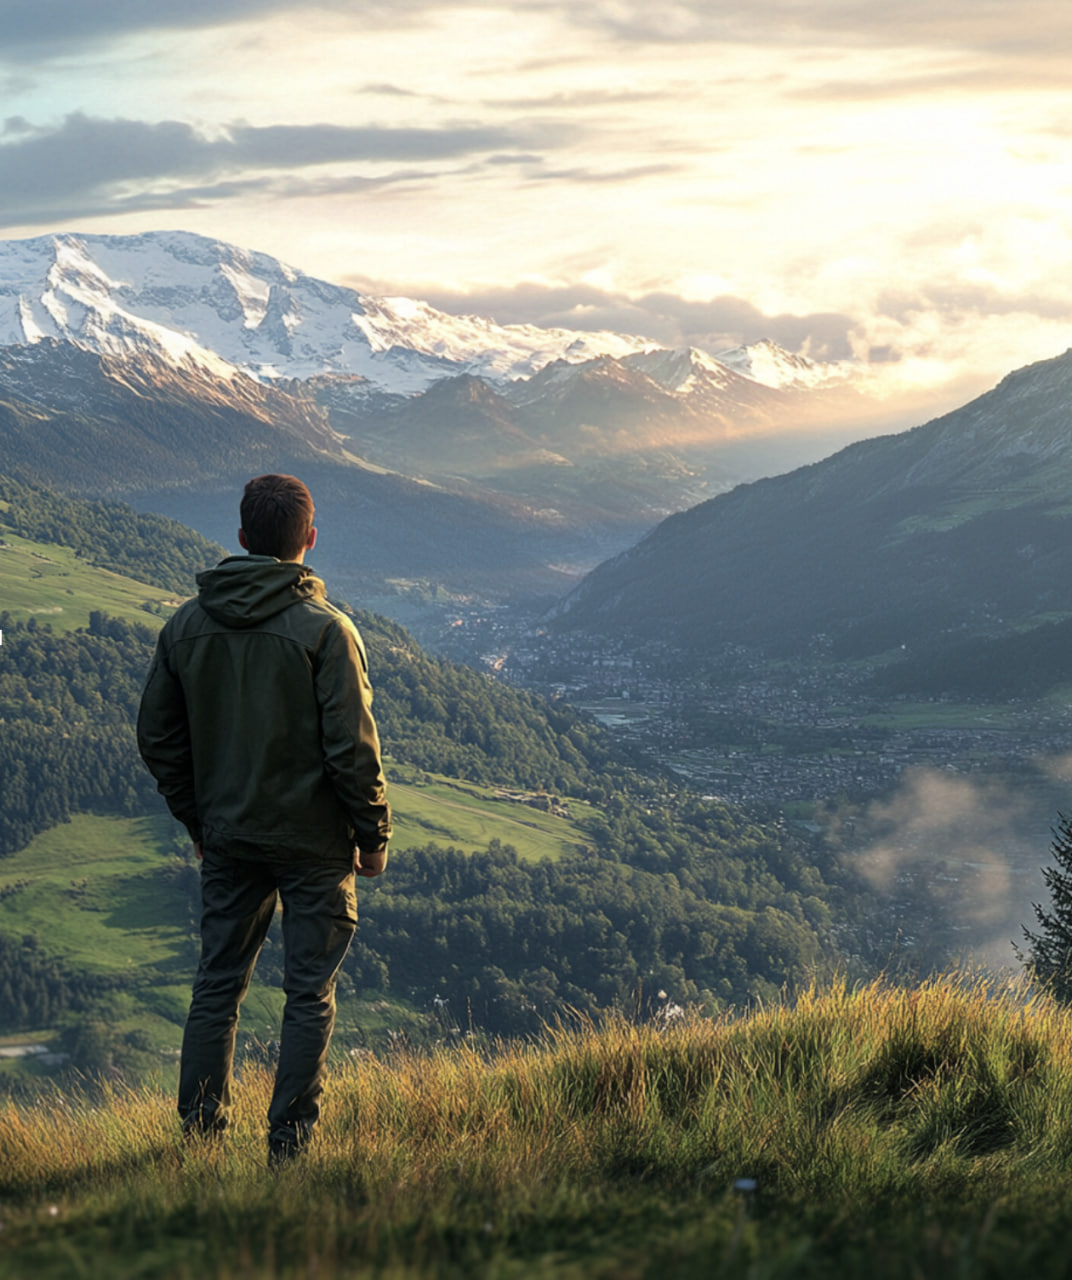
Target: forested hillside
[
  {"x": 67, "y": 707},
  {"x": 148, "y": 547},
  {"x": 652, "y": 915},
  {"x": 68, "y": 701},
  {"x": 671, "y": 892}
]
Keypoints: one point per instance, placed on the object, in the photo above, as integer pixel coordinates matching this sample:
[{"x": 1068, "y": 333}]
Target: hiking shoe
[
  {"x": 282, "y": 1153},
  {"x": 195, "y": 1134}
]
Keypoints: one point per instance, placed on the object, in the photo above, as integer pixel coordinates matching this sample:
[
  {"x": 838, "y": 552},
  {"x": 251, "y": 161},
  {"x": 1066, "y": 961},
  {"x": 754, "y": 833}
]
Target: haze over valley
[{"x": 774, "y": 644}]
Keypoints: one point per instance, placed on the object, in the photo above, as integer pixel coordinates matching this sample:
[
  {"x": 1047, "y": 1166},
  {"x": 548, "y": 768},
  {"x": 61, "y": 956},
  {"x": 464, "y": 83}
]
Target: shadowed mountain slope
[{"x": 961, "y": 526}]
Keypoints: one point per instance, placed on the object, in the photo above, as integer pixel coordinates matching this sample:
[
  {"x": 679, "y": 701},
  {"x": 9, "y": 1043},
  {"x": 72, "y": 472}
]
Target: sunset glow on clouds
[{"x": 886, "y": 183}]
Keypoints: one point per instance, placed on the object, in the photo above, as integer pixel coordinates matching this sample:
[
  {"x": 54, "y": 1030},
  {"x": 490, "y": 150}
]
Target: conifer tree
[{"x": 1049, "y": 960}]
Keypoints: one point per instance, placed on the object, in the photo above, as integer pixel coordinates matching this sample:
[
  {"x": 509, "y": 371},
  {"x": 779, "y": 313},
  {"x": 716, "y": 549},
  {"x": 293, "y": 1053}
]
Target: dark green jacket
[{"x": 256, "y": 717}]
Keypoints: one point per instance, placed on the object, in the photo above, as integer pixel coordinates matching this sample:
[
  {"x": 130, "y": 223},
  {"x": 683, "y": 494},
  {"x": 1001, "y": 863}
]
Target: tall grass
[{"x": 889, "y": 1132}]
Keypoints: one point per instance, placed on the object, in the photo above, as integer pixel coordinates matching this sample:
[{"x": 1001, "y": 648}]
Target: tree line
[
  {"x": 35, "y": 989},
  {"x": 512, "y": 944}
]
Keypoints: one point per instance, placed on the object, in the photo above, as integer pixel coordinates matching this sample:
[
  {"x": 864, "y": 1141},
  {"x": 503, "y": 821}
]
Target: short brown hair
[{"x": 277, "y": 516}]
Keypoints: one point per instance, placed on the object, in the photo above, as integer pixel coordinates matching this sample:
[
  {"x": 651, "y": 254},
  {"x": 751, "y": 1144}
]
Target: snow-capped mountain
[
  {"x": 192, "y": 301},
  {"x": 773, "y": 366},
  {"x": 166, "y": 365}
]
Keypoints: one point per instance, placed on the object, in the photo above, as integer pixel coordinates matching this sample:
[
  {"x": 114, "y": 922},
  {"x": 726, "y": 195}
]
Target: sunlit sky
[{"x": 887, "y": 182}]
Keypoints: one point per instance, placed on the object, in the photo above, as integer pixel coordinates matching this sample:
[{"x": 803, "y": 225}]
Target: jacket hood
[{"x": 244, "y": 590}]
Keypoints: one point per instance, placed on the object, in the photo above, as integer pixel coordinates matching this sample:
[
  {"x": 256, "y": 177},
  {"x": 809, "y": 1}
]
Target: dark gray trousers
[{"x": 238, "y": 899}]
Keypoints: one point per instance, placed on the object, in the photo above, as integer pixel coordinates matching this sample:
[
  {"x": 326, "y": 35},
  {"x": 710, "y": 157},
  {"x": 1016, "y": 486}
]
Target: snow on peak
[
  {"x": 477, "y": 345},
  {"x": 681, "y": 370},
  {"x": 772, "y": 366},
  {"x": 185, "y": 298},
  {"x": 53, "y": 287},
  {"x": 251, "y": 294}
]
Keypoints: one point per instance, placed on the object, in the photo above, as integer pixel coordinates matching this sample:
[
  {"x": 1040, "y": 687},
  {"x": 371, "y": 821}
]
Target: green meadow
[
  {"x": 93, "y": 890},
  {"x": 430, "y": 809},
  {"x": 102, "y": 895},
  {"x": 872, "y": 1133},
  {"x": 52, "y": 584},
  {"x": 98, "y": 890}
]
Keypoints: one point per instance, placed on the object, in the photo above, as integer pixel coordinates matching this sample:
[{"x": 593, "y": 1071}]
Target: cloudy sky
[{"x": 852, "y": 178}]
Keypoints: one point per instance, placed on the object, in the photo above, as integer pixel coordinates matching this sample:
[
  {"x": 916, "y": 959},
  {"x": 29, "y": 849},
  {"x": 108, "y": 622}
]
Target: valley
[{"x": 944, "y": 805}]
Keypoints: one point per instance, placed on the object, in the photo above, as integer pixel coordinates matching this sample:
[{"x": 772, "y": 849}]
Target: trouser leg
[
  {"x": 319, "y": 919},
  {"x": 237, "y": 903}
]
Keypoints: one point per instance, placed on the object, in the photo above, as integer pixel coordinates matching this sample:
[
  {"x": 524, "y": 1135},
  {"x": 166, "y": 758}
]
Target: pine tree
[{"x": 1049, "y": 960}]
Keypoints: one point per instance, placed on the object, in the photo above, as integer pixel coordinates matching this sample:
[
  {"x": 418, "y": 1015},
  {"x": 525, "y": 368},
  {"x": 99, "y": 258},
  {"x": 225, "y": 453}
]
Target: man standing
[{"x": 256, "y": 723}]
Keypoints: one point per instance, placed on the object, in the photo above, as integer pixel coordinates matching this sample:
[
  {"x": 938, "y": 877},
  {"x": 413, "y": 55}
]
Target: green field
[
  {"x": 468, "y": 816},
  {"x": 945, "y": 715},
  {"x": 100, "y": 895},
  {"x": 97, "y": 894},
  {"x": 52, "y": 584},
  {"x": 96, "y": 889},
  {"x": 93, "y": 889}
]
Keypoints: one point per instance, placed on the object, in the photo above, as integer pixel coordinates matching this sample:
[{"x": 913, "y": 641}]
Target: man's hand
[
  {"x": 370, "y": 864},
  {"x": 198, "y": 850}
]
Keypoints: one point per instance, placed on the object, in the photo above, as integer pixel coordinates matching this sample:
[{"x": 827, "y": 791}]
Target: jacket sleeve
[
  {"x": 350, "y": 743},
  {"x": 164, "y": 740}
]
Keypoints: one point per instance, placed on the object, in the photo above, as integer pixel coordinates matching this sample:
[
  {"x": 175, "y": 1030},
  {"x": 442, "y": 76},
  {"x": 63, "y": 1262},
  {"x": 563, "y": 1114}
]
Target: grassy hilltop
[{"x": 921, "y": 1132}]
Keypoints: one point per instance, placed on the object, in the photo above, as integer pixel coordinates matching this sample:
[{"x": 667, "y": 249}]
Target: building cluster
[{"x": 769, "y": 733}]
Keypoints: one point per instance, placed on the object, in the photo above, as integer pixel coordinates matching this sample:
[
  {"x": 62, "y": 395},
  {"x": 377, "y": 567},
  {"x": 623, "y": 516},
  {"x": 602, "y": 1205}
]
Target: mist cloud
[{"x": 964, "y": 853}]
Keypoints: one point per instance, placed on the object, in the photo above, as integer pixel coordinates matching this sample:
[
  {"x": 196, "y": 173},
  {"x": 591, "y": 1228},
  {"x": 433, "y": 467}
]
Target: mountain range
[
  {"x": 505, "y": 461},
  {"x": 166, "y": 367},
  {"x": 189, "y": 299}
]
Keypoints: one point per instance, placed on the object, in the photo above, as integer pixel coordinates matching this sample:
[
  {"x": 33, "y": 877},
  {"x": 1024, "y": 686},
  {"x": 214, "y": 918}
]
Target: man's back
[{"x": 270, "y": 683}]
